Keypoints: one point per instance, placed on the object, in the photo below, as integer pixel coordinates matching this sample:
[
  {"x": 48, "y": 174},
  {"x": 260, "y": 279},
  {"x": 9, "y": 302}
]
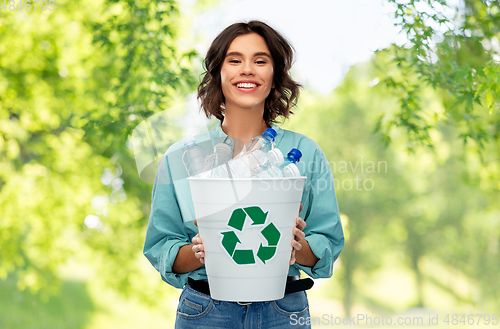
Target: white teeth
[{"x": 246, "y": 85}]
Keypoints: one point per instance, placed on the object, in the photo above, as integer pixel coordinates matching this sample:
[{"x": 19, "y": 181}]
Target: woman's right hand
[{"x": 198, "y": 248}]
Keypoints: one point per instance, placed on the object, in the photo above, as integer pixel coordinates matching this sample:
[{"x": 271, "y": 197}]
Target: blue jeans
[{"x": 200, "y": 311}]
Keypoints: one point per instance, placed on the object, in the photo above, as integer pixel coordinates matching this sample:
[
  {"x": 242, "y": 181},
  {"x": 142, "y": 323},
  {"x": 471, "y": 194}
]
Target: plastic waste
[
  {"x": 251, "y": 164},
  {"x": 260, "y": 159},
  {"x": 269, "y": 164},
  {"x": 289, "y": 166},
  {"x": 223, "y": 152},
  {"x": 286, "y": 168},
  {"x": 194, "y": 157},
  {"x": 264, "y": 142},
  {"x": 213, "y": 162}
]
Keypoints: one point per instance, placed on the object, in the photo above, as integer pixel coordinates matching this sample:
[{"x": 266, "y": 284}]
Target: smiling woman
[{"x": 246, "y": 86}]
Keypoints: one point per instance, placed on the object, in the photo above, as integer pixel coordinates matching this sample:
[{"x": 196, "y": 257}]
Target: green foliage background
[{"x": 423, "y": 230}]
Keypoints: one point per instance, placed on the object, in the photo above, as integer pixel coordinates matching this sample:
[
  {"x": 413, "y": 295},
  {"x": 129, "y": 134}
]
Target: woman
[{"x": 247, "y": 87}]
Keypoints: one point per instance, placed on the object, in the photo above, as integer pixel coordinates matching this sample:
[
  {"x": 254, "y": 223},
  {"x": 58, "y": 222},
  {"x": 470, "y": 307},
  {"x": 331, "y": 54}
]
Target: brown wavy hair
[{"x": 281, "y": 98}]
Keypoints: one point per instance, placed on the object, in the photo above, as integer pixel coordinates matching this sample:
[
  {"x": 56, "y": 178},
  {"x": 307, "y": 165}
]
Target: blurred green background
[{"x": 412, "y": 137}]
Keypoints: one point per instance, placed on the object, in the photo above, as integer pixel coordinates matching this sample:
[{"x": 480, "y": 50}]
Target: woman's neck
[{"x": 243, "y": 124}]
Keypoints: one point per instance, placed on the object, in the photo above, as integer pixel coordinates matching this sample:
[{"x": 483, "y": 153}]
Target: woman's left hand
[{"x": 298, "y": 235}]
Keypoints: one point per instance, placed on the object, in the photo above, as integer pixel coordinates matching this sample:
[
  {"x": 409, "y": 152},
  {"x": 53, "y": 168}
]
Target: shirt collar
[{"x": 217, "y": 131}]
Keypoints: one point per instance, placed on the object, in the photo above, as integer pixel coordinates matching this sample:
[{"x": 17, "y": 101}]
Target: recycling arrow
[
  {"x": 256, "y": 215},
  {"x": 229, "y": 241},
  {"x": 244, "y": 256},
  {"x": 272, "y": 235},
  {"x": 237, "y": 219},
  {"x": 265, "y": 253}
]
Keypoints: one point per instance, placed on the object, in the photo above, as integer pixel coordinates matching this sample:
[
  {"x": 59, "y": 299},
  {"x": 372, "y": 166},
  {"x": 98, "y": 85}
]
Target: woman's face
[{"x": 247, "y": 73}]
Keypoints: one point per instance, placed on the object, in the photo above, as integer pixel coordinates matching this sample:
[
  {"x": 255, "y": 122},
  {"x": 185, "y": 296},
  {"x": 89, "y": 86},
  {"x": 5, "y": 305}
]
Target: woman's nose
[{"x": 247, "y": 68}]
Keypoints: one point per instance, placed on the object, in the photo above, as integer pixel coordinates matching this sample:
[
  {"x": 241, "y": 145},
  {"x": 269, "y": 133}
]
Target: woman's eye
[
  {"x": 234, "y": 61},
  {"x": 261, "y": 62}
]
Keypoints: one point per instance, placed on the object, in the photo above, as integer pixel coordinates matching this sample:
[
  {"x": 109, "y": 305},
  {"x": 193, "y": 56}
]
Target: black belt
[{"x": 293, "y": 284}]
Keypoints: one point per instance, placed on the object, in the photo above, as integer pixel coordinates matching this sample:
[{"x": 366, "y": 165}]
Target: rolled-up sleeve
[
  {"x": 165, "y": 233},
  {"x": 321, "y": 213}
]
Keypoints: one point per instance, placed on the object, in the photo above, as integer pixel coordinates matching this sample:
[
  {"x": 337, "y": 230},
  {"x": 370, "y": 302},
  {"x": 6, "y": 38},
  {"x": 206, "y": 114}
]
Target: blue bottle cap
[
  {"x": 294, "y": 154},
  {"x": 271, "y": 133}
]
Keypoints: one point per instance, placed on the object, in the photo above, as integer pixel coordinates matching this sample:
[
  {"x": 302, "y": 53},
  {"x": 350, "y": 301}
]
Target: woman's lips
[{"x": 246, "y": 87}]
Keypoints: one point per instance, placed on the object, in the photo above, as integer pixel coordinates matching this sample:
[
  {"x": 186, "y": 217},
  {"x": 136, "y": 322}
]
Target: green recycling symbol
[{"x": 270, "y": 233}]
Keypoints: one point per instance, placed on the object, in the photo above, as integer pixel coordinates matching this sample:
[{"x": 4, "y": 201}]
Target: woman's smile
[{"x": 247, "y": 86}]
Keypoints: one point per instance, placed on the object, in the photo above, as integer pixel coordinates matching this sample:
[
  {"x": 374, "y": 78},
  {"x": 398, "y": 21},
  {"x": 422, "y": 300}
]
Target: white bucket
[{"x": 246, "y": 227}]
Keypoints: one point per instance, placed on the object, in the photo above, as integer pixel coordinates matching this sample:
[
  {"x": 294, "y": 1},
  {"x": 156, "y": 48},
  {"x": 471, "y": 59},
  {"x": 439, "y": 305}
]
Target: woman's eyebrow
[{"x": 235, "y": 53}]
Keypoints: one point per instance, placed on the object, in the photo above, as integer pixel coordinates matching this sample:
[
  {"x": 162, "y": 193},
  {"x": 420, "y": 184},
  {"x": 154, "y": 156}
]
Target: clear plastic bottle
[
  {"x": 223, "y": 152},
  {"x": 266, "y": 165},
  {"x": 264, "y": 142},
  {"x": 194, "y": 157},
  {"x": 254, "y": 156},
  {"x": 286, "y": 168}
]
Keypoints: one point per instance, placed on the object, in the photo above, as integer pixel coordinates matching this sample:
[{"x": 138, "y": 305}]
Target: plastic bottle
[
  {"x": 289, "y": 166},
  {"x": 223, "y": 152},
  {"x": 260, "y": 162},
  {"x": 264, "y": 142},
  {"x": 267, "y": 165},
  {"x": 254, "y": 156},
  {"x": 194, "y": 157}
]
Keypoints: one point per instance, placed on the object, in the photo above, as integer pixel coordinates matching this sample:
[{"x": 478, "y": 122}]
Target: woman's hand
[
  {"x": 198, "y": 248},
  {"x": 298, "y": 236}
]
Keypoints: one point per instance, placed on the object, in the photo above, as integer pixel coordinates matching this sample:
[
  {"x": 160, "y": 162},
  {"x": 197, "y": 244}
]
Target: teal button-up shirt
[{"x": 171, "y": 223}]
